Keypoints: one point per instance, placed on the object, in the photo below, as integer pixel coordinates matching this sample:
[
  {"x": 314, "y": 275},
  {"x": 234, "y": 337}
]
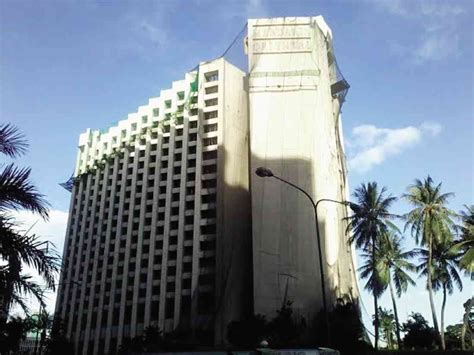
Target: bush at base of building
[{"x": 283, "y": 331}]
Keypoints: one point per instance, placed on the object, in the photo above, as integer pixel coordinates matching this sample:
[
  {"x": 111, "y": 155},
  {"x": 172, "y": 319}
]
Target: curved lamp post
[{"x": 265, "y": 172}]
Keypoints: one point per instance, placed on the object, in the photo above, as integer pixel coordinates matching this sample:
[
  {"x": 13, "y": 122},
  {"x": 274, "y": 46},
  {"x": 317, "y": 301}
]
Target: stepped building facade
[{"x": 170, "y": 227}]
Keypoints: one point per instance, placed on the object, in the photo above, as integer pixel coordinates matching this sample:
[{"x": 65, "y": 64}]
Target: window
[
  {"x": 211, "y": 90},
  {"x": 209, "y": 155},
  {"x": 156, "y": 112},
  {"x": 211, "y": 102},
  {"x": 168, "y": 104},
  {"x": 212, "y": 76},
  {"x": 209, "y": 169},
  {"x": 208, "y": 184},
  {"x": 210, "y": 115},
  {"x": 134, "y": 127},
  {"x": 210, "y": 128},
  {"x": 209, "y": 141},
  {"x": 181, "y": 95},
  {"x": 144, "y": 119},
  {"x": 193, "y": 124}
]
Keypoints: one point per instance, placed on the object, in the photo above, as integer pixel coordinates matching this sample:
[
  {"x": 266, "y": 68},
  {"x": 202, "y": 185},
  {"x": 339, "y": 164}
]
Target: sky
[{"x": 71, "y": 65}]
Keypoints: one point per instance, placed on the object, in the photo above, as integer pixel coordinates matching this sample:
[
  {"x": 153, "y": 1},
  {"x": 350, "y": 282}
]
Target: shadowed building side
[{"x": 295, "y": 131}]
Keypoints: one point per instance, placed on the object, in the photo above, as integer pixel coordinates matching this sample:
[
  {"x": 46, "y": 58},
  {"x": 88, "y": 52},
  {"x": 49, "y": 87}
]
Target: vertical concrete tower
[
  {"x": 159, "y": 224},
  {"x": 295, "y": 129}
]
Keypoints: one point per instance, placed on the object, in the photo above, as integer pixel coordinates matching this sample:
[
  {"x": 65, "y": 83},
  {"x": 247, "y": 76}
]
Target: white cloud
[
  {"x": 438, "y": 37},
  {"x": 370, "y": 146},
  {"x": 52, "y": 230},
  {"x": 431, "y": 127}
]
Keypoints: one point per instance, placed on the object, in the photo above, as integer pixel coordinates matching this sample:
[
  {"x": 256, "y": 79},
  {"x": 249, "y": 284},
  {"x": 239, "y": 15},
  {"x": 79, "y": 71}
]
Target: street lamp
[{"x": 265, "y": 172}]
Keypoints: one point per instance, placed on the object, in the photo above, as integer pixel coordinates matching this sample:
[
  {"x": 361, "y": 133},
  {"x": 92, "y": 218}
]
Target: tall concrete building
[
  {"x": 169, "y": 225},
  {"x": 160, "y": 211},
  {"x": 295, "y": 95}
]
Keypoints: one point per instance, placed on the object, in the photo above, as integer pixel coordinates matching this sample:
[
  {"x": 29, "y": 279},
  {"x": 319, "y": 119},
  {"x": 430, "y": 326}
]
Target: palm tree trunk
[
  {"x": 463, "y": 336},
  {"x": 376, "y": 305},
  {"x": 395, "y": 312},
  {"x": 430, "y": 288},
  {"x": 443, "y": 345}
]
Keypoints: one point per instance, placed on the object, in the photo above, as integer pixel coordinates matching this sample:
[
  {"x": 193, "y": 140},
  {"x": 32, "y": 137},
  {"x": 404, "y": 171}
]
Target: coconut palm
[
  {"x": 465, "y": 243},
  {"x": 429, "y": 221},
  {"x": 444, "y": 268},
  {"x": 370, "y": 220},
  {"x": 392, "y": 265},
  {"x": 387, "y": 326},
  {"x": 467, "y": 320},
  {"x": 16, "y": 247}
]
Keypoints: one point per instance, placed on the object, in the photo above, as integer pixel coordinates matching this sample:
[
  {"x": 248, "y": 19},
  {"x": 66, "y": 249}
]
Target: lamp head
[
  {"x": 351, "y": 205},
  {"x": 263, "y": 172}
]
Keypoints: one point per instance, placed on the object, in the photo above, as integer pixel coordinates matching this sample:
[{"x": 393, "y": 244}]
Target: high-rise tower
[
  {"x": 295, "y": 95},
  {"x": 159, "y": 217}
]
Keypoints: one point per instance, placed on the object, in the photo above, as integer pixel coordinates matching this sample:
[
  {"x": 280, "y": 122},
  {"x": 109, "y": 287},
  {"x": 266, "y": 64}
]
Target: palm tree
[
  {"x": 467, "y": 319},
  {"x": 392, "y": 265},
  {"x": 370, "y": 220},
  {"x": 18, "y": 193},
  {"x": 387, "y": 325},
  {"x": 444, "y": 267},
  {"x": 465, "y": 244},
  {"x": 429, "y": 221}
]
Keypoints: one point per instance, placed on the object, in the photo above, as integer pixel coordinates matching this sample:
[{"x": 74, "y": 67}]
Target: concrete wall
[{"x": 294, "y": 125}]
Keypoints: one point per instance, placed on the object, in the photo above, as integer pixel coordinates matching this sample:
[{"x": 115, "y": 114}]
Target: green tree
[
  {"x": 468, "y": 324},
  {"x": 429, "y": 221},
  {"x": 248, "y": 332},
  {"x": 12, "y": 334},
  {"x": 369, "y": 221},
  {"x": 444, "y": 265},
  {"x": 387, "y": 326},
  {"x": 419, "y": 335},
  {"x": 393, "y": 265},
  {"x": 465, "y": 243},
  {"x": 17, "y": 247},
  {"x": 57, "y": 343},
  {"x": 285, "y": 328}
]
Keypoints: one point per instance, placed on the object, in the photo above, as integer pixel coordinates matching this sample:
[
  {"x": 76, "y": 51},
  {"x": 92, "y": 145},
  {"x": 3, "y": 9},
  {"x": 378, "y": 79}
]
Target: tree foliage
[
  {"x": 370, "y": 220},
  {"x": 419, "y": 335},
  {"x": 17, "y": 247}
]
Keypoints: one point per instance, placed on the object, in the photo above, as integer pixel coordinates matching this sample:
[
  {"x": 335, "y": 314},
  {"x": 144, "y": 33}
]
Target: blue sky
[{"x": 67, "y": 66}]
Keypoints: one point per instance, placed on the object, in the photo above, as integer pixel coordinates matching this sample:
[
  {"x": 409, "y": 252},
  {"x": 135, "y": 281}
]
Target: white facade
[
  {"x": 158, "y": 204},
  {"x": 167, "y": 228},
  {"x": 295, "y": 131}
]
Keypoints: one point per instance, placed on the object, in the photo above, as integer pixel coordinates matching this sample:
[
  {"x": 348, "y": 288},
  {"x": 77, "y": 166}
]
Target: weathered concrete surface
[{"x": 295, "y": 131}]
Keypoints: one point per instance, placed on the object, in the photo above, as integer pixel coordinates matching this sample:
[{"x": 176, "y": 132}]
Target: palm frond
[
  {"x": 12, "y": 141},
  {"x": 17, "y": 192}
]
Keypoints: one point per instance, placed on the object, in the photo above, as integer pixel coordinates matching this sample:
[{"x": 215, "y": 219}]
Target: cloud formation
[
  {"x": 440, "y": 30},
  {"x": 369, "y": 145}
]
